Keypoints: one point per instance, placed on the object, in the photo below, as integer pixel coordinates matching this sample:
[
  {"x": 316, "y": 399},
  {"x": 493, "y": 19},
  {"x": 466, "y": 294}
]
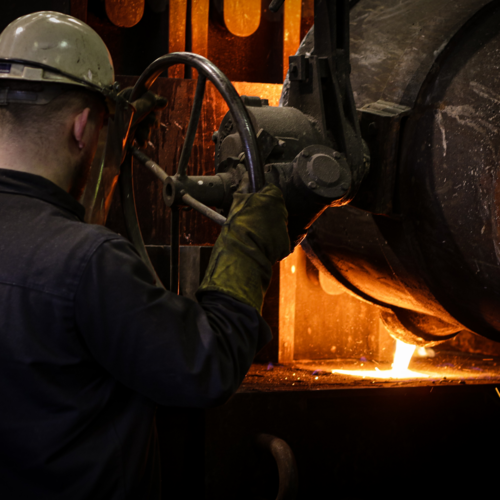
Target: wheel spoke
[
  {"x": 203, "y": 209},
  {"x": 174, "y": 249},
  {"x": 243, "y": 125},
  {"x": 130, "y": 216},
  {"x": 193, "y": 125},
  {"x": 149, "y": 163}
]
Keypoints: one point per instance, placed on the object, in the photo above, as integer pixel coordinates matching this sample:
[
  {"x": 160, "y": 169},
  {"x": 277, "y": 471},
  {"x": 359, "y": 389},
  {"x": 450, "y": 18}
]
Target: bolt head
[
  {"x": 323, "y": 169},
  {"x": 312, "y": 185},
  {"x": 306, "y": 154}
]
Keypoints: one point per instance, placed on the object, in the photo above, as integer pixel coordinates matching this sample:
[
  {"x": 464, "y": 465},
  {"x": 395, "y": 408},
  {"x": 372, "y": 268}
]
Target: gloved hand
[
  {"x": 252, "y": 239},
  {"x": 146, "y": 117}
]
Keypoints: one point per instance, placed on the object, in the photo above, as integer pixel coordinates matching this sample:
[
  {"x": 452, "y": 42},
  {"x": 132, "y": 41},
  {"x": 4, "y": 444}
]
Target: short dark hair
[{"x": 38, "y": 121}]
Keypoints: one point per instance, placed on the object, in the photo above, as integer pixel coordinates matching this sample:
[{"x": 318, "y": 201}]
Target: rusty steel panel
[{"x": 314, "y": 324}]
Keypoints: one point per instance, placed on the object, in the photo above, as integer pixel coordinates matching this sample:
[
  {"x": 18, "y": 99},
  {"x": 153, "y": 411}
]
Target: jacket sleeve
[{"x": 169, "y": 348}]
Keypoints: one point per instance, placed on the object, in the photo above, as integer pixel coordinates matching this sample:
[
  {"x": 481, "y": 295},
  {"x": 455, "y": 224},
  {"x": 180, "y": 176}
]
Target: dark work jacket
[{"x": 89, "y": 346}]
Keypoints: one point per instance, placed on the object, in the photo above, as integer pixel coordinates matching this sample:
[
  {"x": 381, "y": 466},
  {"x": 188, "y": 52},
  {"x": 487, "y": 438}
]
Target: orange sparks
[{"x": 402, "y": 358}]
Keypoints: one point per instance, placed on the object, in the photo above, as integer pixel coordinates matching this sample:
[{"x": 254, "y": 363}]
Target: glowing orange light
[
  {"x": 177, "y": 33},
  {"x": 125, "y": 13},
  {"x": 199, "y": 26},
  {"x": 269, "y": 91},
  {"x": 402, "y": 358},
  {"x": 291, "y": 31},
  {"x": 242, "y": 17}
]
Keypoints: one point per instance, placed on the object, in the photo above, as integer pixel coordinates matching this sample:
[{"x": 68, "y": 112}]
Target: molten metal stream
[{"x": 402, "y": 358}]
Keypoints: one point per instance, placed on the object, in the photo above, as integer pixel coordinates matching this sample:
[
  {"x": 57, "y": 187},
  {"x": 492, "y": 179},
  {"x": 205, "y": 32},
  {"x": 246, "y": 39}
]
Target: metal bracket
[
  {"x": 298, "y": 66},
  {"x": 381, "y": 124},
  {"x": 320, "y": 86}
]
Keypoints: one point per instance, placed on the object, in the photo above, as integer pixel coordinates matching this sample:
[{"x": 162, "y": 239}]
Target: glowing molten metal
[{"x": 402, "y": 358}]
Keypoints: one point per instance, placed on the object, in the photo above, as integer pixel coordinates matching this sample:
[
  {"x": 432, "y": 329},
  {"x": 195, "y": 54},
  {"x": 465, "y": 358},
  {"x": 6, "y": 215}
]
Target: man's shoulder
[
  {"x": 92, "y": 237},
  {"x": 49, "y": 250},
  {"x": 79, "y": 241},
  {"x": 76, "y": 237},
  {"x": 95, "y": 234}
]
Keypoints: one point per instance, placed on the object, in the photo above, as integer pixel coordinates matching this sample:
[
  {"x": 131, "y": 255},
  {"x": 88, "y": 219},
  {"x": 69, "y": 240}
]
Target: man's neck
[{"x": 25, "y": 158}]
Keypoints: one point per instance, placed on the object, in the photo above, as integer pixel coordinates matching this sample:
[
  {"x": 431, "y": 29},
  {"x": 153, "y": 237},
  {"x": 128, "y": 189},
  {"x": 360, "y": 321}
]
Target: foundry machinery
[
  {"x": 311, "y": 148},
  {"x": 419, "y": 236},
  {"x": 411, "y": 142}
]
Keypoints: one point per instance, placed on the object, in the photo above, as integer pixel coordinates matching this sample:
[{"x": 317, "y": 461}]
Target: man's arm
[
  {"x": 166, "y": 347},
  {"x": 170, "y": 348}
]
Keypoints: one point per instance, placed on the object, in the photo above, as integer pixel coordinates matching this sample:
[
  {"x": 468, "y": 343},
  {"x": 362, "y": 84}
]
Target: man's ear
[{"x": 79, "y": 125}]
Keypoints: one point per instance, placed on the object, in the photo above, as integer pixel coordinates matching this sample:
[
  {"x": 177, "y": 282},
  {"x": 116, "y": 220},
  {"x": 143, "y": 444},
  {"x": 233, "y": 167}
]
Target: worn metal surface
[
  {"x": 437, "y": 254},
  {"x": 395, "y": 43},
  {"x": 381, "y": 123},
  {"x": 292, "y": 129},
  {"x": 312, "y": 147},
  {"x": 319, "y": 85},
  {"x": 452, "y": 209}
]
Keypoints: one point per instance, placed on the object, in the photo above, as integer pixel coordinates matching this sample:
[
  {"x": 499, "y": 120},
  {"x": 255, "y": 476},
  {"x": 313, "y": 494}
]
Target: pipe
[{"x": 287, "y": 467}]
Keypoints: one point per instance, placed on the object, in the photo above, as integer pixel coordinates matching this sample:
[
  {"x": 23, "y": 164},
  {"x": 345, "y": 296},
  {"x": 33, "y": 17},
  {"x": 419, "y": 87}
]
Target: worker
[{"x": 88, "y": 344}]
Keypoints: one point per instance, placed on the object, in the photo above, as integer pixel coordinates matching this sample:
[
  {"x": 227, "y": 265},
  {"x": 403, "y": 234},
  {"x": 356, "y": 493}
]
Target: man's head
[
  {"x": 56, "y": 87},
  {"x": 56, "y": 140}
]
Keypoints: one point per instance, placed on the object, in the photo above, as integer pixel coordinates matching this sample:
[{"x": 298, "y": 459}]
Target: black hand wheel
[{"x": 206, "y": 70}]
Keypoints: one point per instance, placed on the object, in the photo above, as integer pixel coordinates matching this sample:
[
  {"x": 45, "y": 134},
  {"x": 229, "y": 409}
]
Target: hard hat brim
[{"x": 22, "y": 70}]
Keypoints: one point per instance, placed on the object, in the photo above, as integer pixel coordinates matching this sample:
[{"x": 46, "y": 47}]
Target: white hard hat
[
  {"x": 50, "y": 47},
  {"x": 40, "y": 55}
]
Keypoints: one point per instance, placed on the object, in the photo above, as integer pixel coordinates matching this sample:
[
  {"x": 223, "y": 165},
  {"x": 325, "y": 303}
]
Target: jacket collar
[{"x": 14, "y": 182}]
